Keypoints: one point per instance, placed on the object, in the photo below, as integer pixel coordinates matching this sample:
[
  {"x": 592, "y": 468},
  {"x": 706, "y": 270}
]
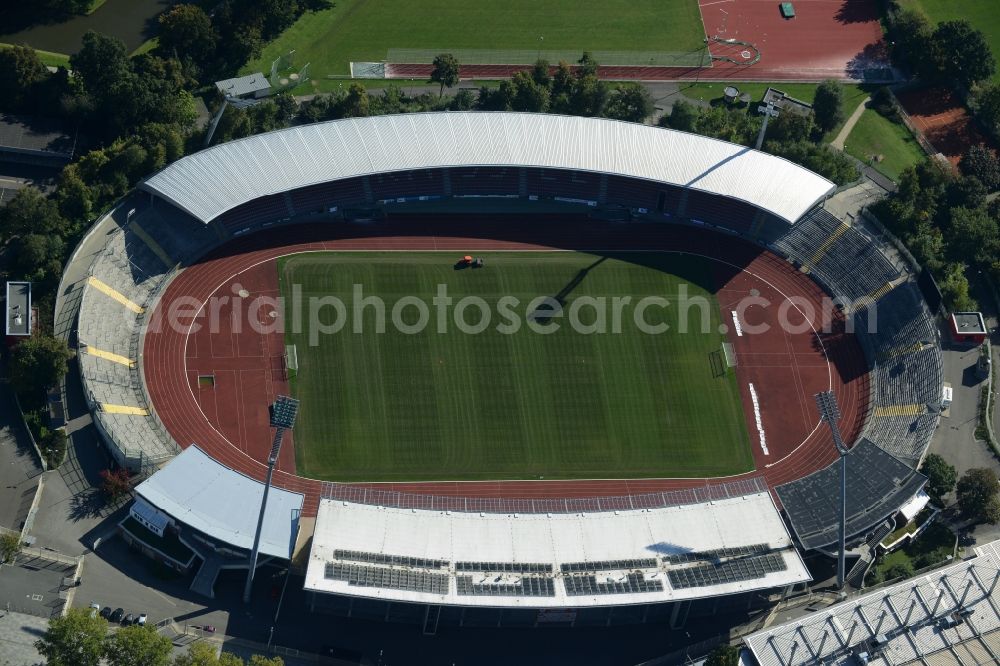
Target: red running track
[
  {"x": 826, "y": 39},
  {"x": 229, "y": 420}
]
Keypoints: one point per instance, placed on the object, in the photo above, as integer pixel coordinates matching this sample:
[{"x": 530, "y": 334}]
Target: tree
[
  {"x": 10, "y": 546},
  {"x": 911, "y": 38},
  {"x": 540, "y": 73},
  {"x": 790, "y": 127},
  {"x": 30, "y": 211},
  {"x": 446, "y": 71},
  {"x": 631, "y": 102},
  {"x": 683, "y": 116},
  {"x": 115, "y": 483},
  {"x": 203, "y": 654},
  {"x": 77, "y": 639},
  {"x": 356, "y": 104},
  {"x": 586, "y": 65},
  {"x": 901, "y": 569},
  {"x": 981, "y": 162},
  {"x": 828, "y": 105},
  {"x": 962, "y": 53},
  {"x": 724, "y": 655},
  {"x": 589, "y": 96},
  {"x": 527, "y": 94},
  {"x": 261, "y": 660},
  {"x": 986, "y": 104},
  {"x": 38, "y": 363},
  {"x": 954, "y": 288},
  {"x": 186, "y": 31},
  {"x": 137, "y": 645},
  {"x": 975, "y": 492},
  {"x": 974, "y": 235},
  {"x": 940, "y": 476},
  {"x": 20, "y": 71},
  {"x": 101, "y": 63}
]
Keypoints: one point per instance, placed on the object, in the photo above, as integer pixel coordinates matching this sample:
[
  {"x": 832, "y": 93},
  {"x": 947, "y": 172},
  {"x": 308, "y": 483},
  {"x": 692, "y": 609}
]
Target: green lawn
[
  {"x": 359, "y": 30},
  {"x": 876, "y": 135},
  {"x": 982, "y": 14},
  {"x": 454, "y": 405},
  {"x": 49, "y": 58}
]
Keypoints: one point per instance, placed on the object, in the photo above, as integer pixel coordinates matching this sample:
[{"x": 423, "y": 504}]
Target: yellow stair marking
[
  {"x": 838, "y": 232},
  {"x": 868, "y": 299},
  {"x": 899, "y": 410},
  {"x": 123, "y": 409},
  {"x": 114, "y": 294},
  {"x": 153, "y": 245},
  {"x": 110, "y": 356},
  {"x": 910, "y": 349}
]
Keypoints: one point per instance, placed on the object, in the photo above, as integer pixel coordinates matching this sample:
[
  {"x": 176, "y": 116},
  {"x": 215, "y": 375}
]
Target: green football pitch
[
  {"x": 556, "y": 398},
  {"x": 365, "y": 30}
]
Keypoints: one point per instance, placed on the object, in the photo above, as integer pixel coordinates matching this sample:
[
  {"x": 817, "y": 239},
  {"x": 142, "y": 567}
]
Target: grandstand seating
[
  {"x": 139, "y": 253},
  {"x": 320, "y": 198},
  {"x": 406, "y": 184},
  {"x": 255, "y": 213},
  {"x": 719, "y": 211},
  {"x": 877, "y": 485},
  {"x": 551, "y": 183},
  {"x": 633, "y": 193},
  {"x": 484, "y": 181}
]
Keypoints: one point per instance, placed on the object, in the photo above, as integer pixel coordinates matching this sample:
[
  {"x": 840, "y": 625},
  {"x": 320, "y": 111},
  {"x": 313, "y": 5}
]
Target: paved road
[{"x": 19, "y": 465}]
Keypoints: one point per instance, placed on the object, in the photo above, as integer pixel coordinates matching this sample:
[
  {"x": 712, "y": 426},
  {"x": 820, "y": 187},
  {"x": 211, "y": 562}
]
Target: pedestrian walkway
[{"x": 845, "y": 131}]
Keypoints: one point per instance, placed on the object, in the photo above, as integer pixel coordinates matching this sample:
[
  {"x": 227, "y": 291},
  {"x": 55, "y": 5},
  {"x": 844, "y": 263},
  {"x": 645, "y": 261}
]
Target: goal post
[
  {"x": 291, "y": 362},
  {"x": 729, "y": 354}
]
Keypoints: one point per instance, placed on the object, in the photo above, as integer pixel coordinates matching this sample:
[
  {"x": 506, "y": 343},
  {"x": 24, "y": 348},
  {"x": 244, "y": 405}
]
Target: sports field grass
[
  {"x": 982, "y": 14},
  {"x": 364, "y": 30},
  {"x": 876, "y": 135},
  {"x": 525, "y": 405}
]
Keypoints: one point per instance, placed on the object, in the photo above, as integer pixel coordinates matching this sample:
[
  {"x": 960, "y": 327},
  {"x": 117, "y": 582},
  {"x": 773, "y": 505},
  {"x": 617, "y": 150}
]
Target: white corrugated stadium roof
[
  {"x": 213, "y": 181},
  {"x": 196, "y": 490},
  {"x": 916, "y": 618},
  {"x": 551, "y": 539}
]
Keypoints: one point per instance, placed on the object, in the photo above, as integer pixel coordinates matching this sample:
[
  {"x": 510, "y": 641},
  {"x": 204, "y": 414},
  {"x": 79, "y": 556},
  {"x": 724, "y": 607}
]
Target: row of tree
[
  {"x": 948, "y": 223},
  {"x": 82, "y": 638}
]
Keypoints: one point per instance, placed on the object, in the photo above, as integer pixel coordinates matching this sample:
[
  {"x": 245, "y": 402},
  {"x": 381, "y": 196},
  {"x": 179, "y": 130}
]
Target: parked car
[
  {"x": 141, "y": 620},
  {"x": 106, "y": 612},
  {"x": 129, "y": 619},
  {"x": 117, "y": 615},
  {"x": 95, "y": 608}
]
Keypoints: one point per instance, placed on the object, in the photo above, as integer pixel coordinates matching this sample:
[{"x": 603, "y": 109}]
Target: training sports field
[
  {"x": 455, "y": 405},
  {"x": 364, "y": 30}
]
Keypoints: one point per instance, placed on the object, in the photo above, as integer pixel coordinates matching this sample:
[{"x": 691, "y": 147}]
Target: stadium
[{"x": 677, "y": 476}]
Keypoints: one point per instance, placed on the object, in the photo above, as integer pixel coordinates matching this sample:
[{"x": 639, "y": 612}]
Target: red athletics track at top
[
  {"x": 229, "y": 420},
  {"x": 826, "y": 39}
]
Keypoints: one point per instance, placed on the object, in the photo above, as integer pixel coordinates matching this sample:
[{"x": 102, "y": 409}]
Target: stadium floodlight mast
[
  {"x": 768, "y": 111},
  {"x": 283, "y": 413},
  {"x": 830, "y": 412}
]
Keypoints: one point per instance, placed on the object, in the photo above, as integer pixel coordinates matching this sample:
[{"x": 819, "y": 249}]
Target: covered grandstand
[
  {"x": 333, "y": 173},
  {"x": 677, "y": 553}
]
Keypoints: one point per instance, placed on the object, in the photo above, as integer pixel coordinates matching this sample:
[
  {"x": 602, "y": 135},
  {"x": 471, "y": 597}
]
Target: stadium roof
[
  {"x": 213, "y": 181},
  {"x": 935, "y": 612},
  {"x": 196, "y": 490},
  {"x": 400, "y": 550}
]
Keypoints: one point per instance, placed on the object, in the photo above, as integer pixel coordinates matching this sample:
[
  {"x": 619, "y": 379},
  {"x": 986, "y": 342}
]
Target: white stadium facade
[{"x": 663, "y": 556}]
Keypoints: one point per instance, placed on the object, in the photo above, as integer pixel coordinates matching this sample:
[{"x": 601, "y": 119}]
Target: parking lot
[{"x": 36, "y": 585}]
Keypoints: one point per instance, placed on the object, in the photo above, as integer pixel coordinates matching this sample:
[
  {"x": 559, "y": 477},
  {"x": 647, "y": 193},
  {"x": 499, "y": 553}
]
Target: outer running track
[
  {"x": 229, "y": 420},
  {"x": 826, "y": 39}
]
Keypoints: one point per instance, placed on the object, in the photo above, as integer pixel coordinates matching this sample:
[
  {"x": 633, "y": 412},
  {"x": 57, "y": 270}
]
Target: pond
[{"x": 132, "y": 21}]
